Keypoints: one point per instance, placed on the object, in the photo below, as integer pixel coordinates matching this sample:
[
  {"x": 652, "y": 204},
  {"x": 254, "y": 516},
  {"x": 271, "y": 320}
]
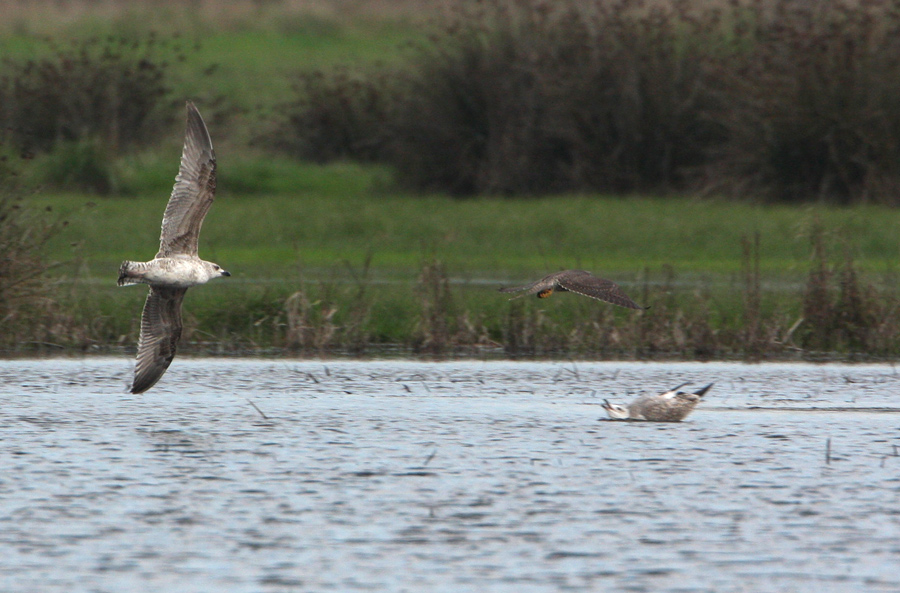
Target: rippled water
[{"x": 462, "y": 476}]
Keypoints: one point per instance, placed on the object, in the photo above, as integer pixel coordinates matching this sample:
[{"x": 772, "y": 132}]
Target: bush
[
  {"x": 82, "y": 165},
  {"x": 527, "y": 97},
  {"x": 809, "y": 103},
  {"x": 109, "y": 90},
  {"x": 775, "y": 98},
  {"x": 335, "y": 116},
  {"x": 520, "y": 97}
]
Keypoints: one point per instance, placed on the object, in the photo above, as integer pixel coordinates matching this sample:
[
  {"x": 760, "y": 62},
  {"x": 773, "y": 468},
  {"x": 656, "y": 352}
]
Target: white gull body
[
  {"x": 176, "y": 266},
  {"x": 669, "y": 406}
]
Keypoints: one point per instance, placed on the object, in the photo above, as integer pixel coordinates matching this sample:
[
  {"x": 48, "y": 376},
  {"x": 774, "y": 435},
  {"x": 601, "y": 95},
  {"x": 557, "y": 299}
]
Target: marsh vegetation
[{"x": 704, "y": 156}]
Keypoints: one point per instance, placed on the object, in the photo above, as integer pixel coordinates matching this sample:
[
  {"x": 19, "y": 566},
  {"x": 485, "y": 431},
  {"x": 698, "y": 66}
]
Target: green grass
[
  {"x": 682, "y": 256},
  {"x": 329, "y": 216},
  {"x": 248, "y": 61},
  {"x": 317, "y": 238}
]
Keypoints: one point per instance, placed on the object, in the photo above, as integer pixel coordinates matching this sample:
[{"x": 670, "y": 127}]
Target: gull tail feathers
[{"x": 125, "y": 277}]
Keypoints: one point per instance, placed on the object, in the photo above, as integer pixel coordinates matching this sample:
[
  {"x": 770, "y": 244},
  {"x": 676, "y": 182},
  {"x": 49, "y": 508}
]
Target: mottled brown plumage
[
  {"x": 579, "y": 282},
  {"x": 194, "y": 191},
  {"x": 669, "y": 406},
  {"x": 160, "y": 331},
  {"x": 176, "y": 266}
]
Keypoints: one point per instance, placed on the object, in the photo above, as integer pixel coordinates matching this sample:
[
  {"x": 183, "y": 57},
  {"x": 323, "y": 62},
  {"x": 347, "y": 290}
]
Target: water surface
[{"x": 249, "y": 475}]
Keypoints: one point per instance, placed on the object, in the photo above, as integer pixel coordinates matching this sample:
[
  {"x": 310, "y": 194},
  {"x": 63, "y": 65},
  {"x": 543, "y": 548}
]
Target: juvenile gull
[
  {"x": 176, "y": 267},
  {"x": 670, "y": 406},
  {"x": 579, "y": 282}
]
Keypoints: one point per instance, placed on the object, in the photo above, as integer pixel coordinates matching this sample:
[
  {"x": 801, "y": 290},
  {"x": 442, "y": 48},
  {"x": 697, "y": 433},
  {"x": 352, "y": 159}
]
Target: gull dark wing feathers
[
  {"x": 195, "y": 188},
  {"x": 702, "y": 392},
  {"x": 160, "y": 332},
  {"x": 589, "y": 285},
  {"x": 672, "y": 392}
]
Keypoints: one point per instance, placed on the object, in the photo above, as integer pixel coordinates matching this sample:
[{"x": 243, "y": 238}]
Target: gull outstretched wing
[
  {"x": 160, "y": 332},
  {"x": 195, "y": 188}
]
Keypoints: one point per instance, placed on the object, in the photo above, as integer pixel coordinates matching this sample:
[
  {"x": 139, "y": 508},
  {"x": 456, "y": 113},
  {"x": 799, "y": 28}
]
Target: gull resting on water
[{"x": 669, "y": 406}]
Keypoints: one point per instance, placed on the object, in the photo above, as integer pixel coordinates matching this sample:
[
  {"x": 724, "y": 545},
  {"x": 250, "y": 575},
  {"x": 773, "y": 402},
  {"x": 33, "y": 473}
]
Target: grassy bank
[
  {"x": 345, "y": 265},
  {"x": 490, "y": 239}
]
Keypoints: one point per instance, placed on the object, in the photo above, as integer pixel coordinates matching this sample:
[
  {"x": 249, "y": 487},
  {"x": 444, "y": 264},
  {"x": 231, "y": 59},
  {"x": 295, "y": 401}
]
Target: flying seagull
[
  {"x": 176, "y": 267},
  {"x": 579, "y": 282},
  {"x": 669, "y": 406}
]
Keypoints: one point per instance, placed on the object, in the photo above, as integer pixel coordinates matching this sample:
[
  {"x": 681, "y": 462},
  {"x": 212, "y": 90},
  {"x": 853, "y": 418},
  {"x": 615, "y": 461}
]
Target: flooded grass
[{"x": 352, "y": 267}]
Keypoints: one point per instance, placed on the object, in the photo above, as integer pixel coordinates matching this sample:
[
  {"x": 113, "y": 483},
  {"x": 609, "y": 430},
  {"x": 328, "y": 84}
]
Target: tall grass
[
  {"x": 838, "y": 312},
  {"x": 371, "y": 270},
  {"x": 841, "y": 310},
  {"x": 28, "y": 313}
]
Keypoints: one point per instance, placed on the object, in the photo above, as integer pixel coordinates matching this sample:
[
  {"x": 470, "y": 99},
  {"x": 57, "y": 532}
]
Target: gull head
[
  {"x": 615, "y": 411},
  {"x": 215, "y": 270}
]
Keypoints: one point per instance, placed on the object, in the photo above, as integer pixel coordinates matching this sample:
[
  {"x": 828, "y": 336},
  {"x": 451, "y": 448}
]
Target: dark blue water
[{"x": 458, "y": 476}]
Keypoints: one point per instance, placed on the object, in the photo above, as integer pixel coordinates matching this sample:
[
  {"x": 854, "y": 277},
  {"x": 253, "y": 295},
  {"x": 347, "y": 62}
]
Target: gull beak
[{"x": 226, "y": 273}]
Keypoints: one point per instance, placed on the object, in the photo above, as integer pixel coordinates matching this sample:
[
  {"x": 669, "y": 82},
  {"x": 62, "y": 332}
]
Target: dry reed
[{"x": 844, "y": 314}]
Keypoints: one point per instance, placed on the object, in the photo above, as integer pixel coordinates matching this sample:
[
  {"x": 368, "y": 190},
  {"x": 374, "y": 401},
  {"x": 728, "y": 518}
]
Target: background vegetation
[
  {"x": 346, "y": 130},
  {"x": 792, "y": 101}
]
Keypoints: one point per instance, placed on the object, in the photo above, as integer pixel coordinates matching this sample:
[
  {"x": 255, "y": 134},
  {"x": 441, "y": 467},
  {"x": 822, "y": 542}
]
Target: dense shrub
[
  {"x": 109, "y": 90},
  {"x": 810, "y": 102},
  {"x": 335, "y": 115},
  {"x": 789, "y": 100},
  {"x": 524, "y": 97},
  {"x": 514, "y": 97}
]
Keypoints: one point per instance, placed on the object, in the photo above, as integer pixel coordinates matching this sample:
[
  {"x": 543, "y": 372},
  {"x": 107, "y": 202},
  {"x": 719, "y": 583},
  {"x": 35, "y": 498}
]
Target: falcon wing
[
  {"x": 589, "y": 285},
  {"x": 160, "y": 332},
  {"x": 548, "y": 281},
  {"x": 195, "y": 188}
]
